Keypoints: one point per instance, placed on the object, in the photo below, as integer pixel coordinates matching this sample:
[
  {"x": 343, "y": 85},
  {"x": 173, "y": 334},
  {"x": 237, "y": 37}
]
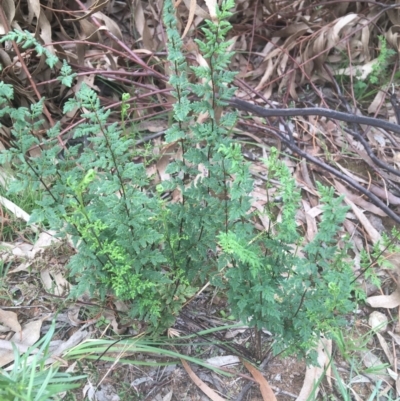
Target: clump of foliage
[
  {"x": 378, "y": 76},
  {"x": 30, "y": 379},
  {"x": 153, "y": 253}
]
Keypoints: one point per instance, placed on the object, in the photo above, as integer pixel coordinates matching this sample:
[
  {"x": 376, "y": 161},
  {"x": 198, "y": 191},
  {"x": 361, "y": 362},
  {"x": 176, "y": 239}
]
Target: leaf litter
[{"x": 300, "y": 42}]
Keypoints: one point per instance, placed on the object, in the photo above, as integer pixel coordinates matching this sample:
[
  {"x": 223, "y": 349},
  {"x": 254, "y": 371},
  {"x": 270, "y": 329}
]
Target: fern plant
[
  {"x": 271, "y": 285},
  {"x": 379, "y": 74},
  {"x": 154, "y": 254}
]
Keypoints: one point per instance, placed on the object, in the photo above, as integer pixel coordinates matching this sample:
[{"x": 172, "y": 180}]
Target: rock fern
[{"x": 153, "y": 253}]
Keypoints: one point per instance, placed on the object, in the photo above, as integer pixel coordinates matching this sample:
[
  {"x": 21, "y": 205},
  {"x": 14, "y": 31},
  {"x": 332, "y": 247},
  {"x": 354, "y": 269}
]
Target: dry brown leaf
[
  {"x": 370, "y": 360},
  {"x": 202, "y": 62},
  {"x": 110, "y": 25},
  {"x": 23, "y": 250},
  {"x": 392, "y": 374},
  {"x": 91, "y": 10},
  {"x": 268, "y": 73},
  {"x": 384, "y": 194},
  {"x": 376, "y": 138},
  {"x": 358, "y": 200},
  {"x": 212, "y": 8},
  {"x": 199, "y": 11},
  {"x": 203, "y": 173},
  {"x": 385, "y": 301},
  {"x": 141, "y": 25},
  {"x": 354, "y": 392},
  {"x": 192, "y": 9},
  {"x": 297, "y": 29},
  {"x": 54, "y": 282},
  {"x": 351, "y": 175},
  {"x": 377, "y": 102},
  {"x": 305, "y": 176},
  {"x": 43, "y": 23},
  {"x": 224, "y": 360},
  {"x": 90, "y": 32},
  {"x": 168, "y": 396},
  {"x": 342, "y": 22},
  {"x": 153, "y": 125},
  {"x": 260, "y": 194},
  {"x": 394, "y": 17},
  {"x": 315, "y": 211},
  {"x": 312, "y": 229},
  {"x": 329, "y": 348},
  {"x": 395, "y": 337},
  {"x": 44, "y": 240},
  {"x": 254, "y": 137},
  {"x": 161, "y": 166},
  {"x": 313, "y": 373},
  {"x": 200, "y": 384},
  {"x": 76, "y": 338},
  {"x": 361, "y": 71},
  {"x": 266, "y": 390},
  {"x": 10, "y": 320},
  {"x": 16, "y": 211},
  {"x": 234, "y": 332},
  {"x": 385, "y": 348},
  {"x": 28, "y": 252},
  {"x": 265, "y": 220},
  {"x": 121, "y": 306},
  {"x": 393, "y": 37},
  {"x": 27, "y": 337},
  {"x": 48, "y": 283},
  {"x": 9, "y": 12},
  {"x": 372, "y": 232},
  {"x": 378, "y": 321},
  {"x": 169, "y": 152},
  {"x": 110, "y": 316},
  {"x": 73, "y": 316},
  {"x": 176, "y": 196}
]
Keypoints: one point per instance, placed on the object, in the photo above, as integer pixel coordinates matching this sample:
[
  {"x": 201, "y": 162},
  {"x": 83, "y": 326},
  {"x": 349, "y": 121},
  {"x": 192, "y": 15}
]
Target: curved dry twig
[
  {"x": 289, "y": 142},
  {"x": 314, "y": 111}
]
